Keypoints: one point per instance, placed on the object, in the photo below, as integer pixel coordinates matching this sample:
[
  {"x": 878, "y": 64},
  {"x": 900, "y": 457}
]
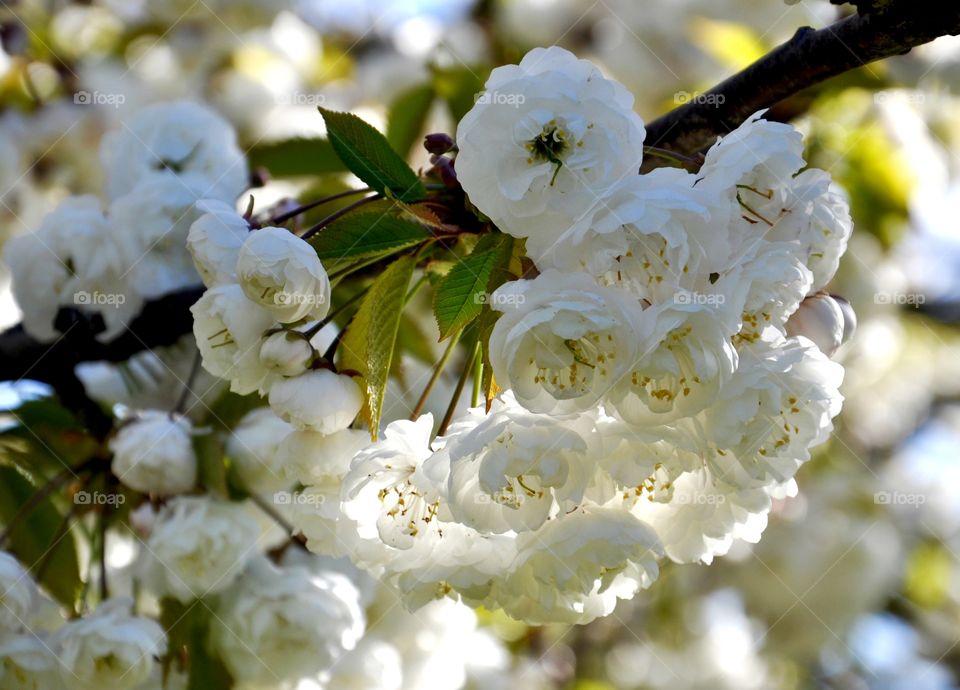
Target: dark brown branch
[{"x": 884, "y": 28}]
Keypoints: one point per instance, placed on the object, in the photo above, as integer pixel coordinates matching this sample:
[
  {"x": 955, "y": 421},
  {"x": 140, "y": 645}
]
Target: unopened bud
[
  {"x": 287, "y": 353},
  {"x": 827, "y": 321},
  {"x": 438, "y": 144}
]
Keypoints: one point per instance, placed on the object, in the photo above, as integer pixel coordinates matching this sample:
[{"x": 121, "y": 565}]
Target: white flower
[
  {"x": 286, "y": 353},
  {"x": 778, "y": 282},
  {"x": 154, "y": 453},
  {"x": 28, "y": 662},
  {"x": 281, "y": 272},
  {"x": 684, "y": 371},
  {"x": 821, "y": 319},
  {"x": 214, "y": 241},
  {"x": 550, "y": 134},
  {"x": 317, "y": 400},
  {"x": 373, "y": 665},
  {"x": 574, "y": 568},
  {"x": 109, "y": 649},
  {"x": 228, "y": 328},
  {"x": 184, "y": 141},
  {"x": 512, "y": 469},
  {"x": 307, "y": 456},
  {"x": 280, "y": 624},
  {"x": 198, "y": 546},
  {"x": 253, "y": 448},
  {"x": 777, "y": 405},
  {"x": 18, "y": 594},
  {"x": 152, "y": 222},
  {"x": 563, "y": 341},
  {"x": 71, "y": 260}
]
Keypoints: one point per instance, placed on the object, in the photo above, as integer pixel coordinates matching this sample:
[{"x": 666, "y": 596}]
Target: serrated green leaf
[
  {"x": 369, "y": 342},
  {"x": 368, "y": 155},
  {"x": 461, "y": 294},
  {"x": 407, "y": 116},
  {"x": 366, "y": 234},
  {"x": 297, "y": 157},
  {"x": 32, "y": 537}
]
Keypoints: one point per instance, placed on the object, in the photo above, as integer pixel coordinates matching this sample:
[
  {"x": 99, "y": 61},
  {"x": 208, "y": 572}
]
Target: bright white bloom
[
  {"x": 563, "y": 341},
  {"x": 153, "y": 453},
  {"x": 198, "y": 546},
  {"x": 550, "y": 134},
  {"x": 18, "y": 594},
  {"x": 28, "y": 662},
  {"x": 821, "y": 319},
  {"x": 281, "y": 272},
  {"x": 71, "y": 260},
  {"x": 184, "y": 141},
  {"x": 228, "y": 328},
  {"x": 214, "y": 241},
  {"x": 693, "y": 357},
  {"x": 307, "y": 456},
  {"x": 151, "y": 222},
  {"x": 373, "y": 665},
  {"x": 574, "y": 568},
  {"x": 282, "y": 624},
  {"x": 778, "y": 282},
  {"x": 252, "y": 447},
  {"x": 778, "y": 404},
  {"x": 109, "y": 649},
  {"x": 512, "y": 469},
  {"x": 286, "y": 353},
  {"x": 317, "y": 400}
]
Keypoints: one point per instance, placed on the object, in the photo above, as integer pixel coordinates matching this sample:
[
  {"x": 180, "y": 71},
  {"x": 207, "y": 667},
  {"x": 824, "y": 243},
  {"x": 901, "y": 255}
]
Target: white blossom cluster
[{"x": 654, "y": 402}]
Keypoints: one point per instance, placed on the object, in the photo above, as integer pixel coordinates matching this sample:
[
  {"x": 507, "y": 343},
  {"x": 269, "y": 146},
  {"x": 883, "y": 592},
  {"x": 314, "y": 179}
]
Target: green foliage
[
  {"x": 369, "y": 342},
  {"x": 464, "y": 290},
  {"x": 297, "y": 157},
  {"x": 211, "y": 469},
  {"x": 365, "y": 234},
  {"x": 188, "y": 629},
  {"x": 369, "y": 156},
  {"x": 407, "y": 116},
  {"x": 458, "y": 86},
  {"x": 39, "y": 537}
]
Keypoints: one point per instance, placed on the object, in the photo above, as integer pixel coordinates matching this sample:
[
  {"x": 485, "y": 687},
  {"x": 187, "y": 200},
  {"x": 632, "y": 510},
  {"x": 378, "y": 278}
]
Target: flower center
[{"x": 552, "y": 142}]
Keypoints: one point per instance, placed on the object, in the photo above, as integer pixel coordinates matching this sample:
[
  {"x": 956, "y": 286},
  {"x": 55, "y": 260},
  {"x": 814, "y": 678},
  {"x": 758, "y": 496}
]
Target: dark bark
[{"x": 882, "y": 29}]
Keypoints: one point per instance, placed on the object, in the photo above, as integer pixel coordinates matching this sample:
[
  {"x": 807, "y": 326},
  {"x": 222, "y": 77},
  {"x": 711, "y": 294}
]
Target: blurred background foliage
[{"x": 856, "y": 583}]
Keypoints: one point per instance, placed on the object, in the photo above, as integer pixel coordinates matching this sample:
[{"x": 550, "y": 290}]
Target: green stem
[
  {"x": 448, "y": 417},
  {"x": 313, "y": 204},
  {"x": 311, "y": 231},
  {"x": 477, "y": 379},
  {"x": 435, "y": 376}
]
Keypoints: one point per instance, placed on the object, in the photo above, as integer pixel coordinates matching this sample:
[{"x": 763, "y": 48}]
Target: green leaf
[
  {"x": 459, "y": 86},
  {"x": 188, "y": 628},
  {"x": 461, "y": 294},
  {"x": 297, "y": 157},
  {"x": 368, "y": 155},
  {"x": 34, "y": 536},
  {"x": 366, "y": 234},
  {"x": 406, "y": 117},
  {"x": 369, "y": 342}
]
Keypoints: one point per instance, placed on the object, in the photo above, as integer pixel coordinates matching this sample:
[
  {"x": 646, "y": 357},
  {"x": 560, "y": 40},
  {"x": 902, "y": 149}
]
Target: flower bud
[
  {"x": 154, "y": 454},
  {"x": 821, "y": 318},
  {"x": 438, "y": 144},
  {"x": 286, "y": 353},
  {"x": 319, "y": 400}
]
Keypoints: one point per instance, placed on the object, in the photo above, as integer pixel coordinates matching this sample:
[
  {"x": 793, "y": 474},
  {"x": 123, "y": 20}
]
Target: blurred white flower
[
  {"x": 214, "y": 241},
  {"x": 153, "y": 453},
  {"x": 18, "y": 594},
  {"x": 253, "y": 449},
  {"x": 318, "y": 400}
]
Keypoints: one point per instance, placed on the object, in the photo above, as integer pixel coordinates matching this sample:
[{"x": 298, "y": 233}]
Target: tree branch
[{"x": 881, "y": 29}]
